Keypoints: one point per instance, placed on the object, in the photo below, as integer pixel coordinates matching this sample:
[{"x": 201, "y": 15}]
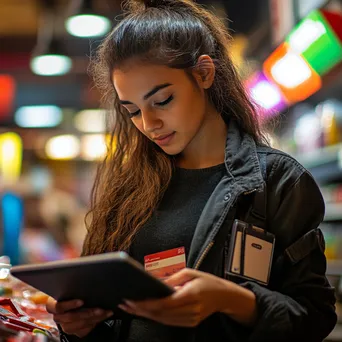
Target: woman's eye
[
  {"x": 159, "y": 104},
  {"x": 131, "y": 115},
  {"x": 164, "y": 103}
]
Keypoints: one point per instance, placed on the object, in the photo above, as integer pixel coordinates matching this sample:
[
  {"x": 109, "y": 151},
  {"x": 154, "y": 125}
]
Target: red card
[{"x": 164, "y": 264}]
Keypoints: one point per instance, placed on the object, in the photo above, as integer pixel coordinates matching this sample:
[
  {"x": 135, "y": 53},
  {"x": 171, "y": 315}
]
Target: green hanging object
[{"x": 318, "y": 38}]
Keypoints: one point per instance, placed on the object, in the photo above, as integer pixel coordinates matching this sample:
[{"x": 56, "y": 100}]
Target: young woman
[{"x": 189, "y": 158}]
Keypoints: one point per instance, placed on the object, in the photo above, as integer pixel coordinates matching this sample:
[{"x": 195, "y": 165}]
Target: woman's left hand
[{"x": 197, "y": 296}]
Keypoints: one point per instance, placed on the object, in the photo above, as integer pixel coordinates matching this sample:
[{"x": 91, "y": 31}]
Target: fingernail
[
  {"x": 79, "y": 302},
  {"x": 98, "y": 312},
  {"x": 129, "y": 303},
  {"x": 109, "y": 314},
  {"x": 122, "y": 307}
]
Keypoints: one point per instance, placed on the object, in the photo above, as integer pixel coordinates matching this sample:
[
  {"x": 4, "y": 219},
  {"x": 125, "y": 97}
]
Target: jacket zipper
[
  {"x": 249, "y": 192},
  {"x": 204, "y": 254},
  {"x": 211, "y": 244}
]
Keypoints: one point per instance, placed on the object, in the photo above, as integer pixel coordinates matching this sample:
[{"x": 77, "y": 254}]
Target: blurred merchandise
[
  {"x": 292, "y": 74},
  {"x": 308, "y": 133},
  {"x": 333, "y": 240},
  {"x": 11, "y": 150},
  {"x": 316, "y": 38},
  {"x": 40, "y": 179},
  {"x": 332, "y": 193},
  {"x": 11, "y": 225},
  {"x": 265, "y": 94},
  {"x": 39, "y": 246},
  {"x": 7, "y": 95},
  {"x": 314, "y": 129},
  {"x": 330, "y": 113},
  {"x": 305, "y": 6},
  {"x": 22, "y": 312}
]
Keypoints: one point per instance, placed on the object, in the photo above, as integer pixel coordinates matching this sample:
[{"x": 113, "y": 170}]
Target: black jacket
[{"x": 298, "y": 304}]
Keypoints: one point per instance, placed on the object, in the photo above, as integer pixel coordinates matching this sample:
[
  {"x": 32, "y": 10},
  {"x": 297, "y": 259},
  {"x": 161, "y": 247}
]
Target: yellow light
[
  {"x": 94, "y": 146},
  {"x": 11, "y": 151},
  {"x": 63, "y": 147},
  {"x": 91, "y": 121}
]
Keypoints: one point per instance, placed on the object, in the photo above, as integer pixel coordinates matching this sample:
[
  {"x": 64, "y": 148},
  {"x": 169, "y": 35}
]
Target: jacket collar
[
  {"x": 243, "y": 176},
  {"x": 241, "y": 159}
]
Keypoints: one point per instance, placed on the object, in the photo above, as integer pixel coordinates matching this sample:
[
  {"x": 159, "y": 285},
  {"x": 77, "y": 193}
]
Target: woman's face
[{"x": 163, "y": 103}]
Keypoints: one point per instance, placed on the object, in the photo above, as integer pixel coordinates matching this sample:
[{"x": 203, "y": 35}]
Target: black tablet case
[{"x": 101, "y": 281}]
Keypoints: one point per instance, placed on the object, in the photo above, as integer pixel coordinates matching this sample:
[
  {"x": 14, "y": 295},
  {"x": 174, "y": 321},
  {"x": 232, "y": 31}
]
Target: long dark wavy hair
[{"x": 136, "y": 172}]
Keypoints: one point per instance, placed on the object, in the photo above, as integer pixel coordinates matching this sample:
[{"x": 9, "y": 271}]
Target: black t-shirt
[{"x": 173, "y": 226}]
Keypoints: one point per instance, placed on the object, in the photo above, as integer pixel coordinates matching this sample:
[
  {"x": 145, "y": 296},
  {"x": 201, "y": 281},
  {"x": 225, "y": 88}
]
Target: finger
[
  {"x": 168, "y": 303},
  {"x": 79, "y": 315},
  {"x": 141, "y": 313},
  {"x": 181, "y": 277},
  {"x": 51, "y": 305},
  {"x": 76, "y": 326},
  {"x": 189, "y": 293},
  {"x": 84, "y": 332},
  {"x": 186, "y": 318},
  {"x": 148, "y": 305},
  {"x": 184, "y": 312},
  {"x": 126, "y": 308},
  {"x": 180, "y": 322},
  {"x": 180, "y": 319},
  {"x": 65, "y": 306}
]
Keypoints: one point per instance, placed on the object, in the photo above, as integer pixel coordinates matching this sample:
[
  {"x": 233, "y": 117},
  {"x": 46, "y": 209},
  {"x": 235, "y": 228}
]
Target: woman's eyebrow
[{"x": 150, "y": 93}]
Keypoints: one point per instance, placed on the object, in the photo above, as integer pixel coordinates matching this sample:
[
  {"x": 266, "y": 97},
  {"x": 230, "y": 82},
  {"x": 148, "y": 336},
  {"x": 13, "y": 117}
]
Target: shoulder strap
[{"x": 257, "y": 211}]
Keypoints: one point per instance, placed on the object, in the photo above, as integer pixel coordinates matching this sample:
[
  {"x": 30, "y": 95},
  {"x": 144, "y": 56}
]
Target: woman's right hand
[{"x": 73, "y": 319}]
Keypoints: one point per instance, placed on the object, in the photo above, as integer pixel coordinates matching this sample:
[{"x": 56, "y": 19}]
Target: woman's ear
[{"x": 204, "y": 72}]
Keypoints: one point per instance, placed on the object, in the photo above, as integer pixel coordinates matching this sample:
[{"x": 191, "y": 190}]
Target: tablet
[{"x": 101, "y": 281}]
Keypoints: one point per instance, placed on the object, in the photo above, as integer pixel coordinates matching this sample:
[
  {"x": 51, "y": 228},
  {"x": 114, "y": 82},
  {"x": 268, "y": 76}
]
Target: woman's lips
[{"x": 164, "y": 140}]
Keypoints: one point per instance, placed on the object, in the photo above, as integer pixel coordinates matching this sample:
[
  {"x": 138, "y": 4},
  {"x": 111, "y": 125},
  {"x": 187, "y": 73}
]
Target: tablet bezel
[{"x": 80, "y": 273}]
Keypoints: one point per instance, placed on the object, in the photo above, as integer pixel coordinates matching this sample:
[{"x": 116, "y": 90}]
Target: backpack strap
[{"x": 256, "y": 214}]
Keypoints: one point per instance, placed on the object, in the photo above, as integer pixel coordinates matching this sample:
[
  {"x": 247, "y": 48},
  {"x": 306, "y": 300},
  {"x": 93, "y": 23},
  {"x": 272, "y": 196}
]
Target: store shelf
[
  {"x": 325, "y": 164},
  {"x": 333, "y": 212},
  {"x": 334, "y": 267},
  {"x": 322, "y": 156}
]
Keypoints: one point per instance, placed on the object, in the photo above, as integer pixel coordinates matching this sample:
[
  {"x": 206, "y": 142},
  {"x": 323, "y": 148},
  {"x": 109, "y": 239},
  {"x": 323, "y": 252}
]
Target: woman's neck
[{"x": 208, "y": 146}]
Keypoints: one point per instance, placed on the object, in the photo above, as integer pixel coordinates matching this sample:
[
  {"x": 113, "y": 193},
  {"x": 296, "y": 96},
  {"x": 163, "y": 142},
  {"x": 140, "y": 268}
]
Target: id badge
[
  {"x": 250, "y": 252},
  {"x": 164, "y": 264}
]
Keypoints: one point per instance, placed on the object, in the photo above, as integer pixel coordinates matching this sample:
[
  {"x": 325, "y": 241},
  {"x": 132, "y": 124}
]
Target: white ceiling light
[
  {"x": 63, "y": 147},
  {"x": 38, "y": 116},
  {"x": 51, "y": 65},
  {"x": 90, "y": 121},
  {"x": 49, "y": 57},
  {"x": 87, "y": 25}
]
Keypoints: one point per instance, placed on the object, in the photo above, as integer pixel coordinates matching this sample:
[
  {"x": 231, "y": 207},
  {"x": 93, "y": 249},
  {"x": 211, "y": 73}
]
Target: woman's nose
[{"x": 151, "y": 122}]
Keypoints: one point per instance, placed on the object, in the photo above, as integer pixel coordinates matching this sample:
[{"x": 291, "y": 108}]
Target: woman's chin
[{"x": 171, "y": 150}]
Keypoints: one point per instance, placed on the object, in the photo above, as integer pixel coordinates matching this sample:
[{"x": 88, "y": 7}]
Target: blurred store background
[{"x": 288, "y": 52}]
